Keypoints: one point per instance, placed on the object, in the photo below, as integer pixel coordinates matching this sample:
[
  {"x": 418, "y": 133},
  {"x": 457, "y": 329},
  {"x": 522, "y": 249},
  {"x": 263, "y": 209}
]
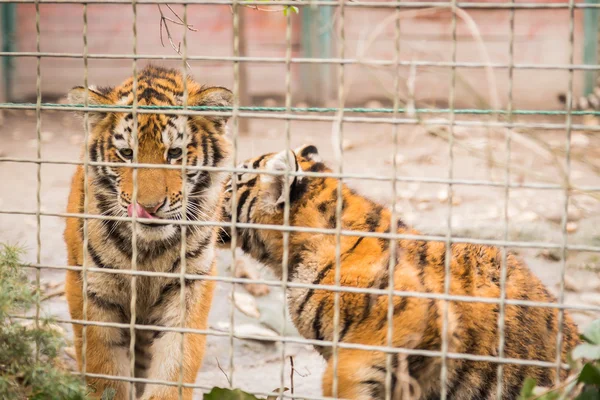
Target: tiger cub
[
  {"x": 530, "y": 332},
  {"x": 159, "y": 195}
]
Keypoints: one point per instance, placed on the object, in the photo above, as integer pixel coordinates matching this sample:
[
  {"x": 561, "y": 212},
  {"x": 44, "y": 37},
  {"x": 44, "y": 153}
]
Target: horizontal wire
[
  {"x": 304, "y": 60},
  {"x": 328, "y": 118},
  {"x": 332, "y": 288},
  {"x": 306, "y": 229},
  {"x": 348, "y": 3},
  {"x": 365, "y": 110},
  {"x": 310, "y": 174},
  {"x": 298, "y": 340}
]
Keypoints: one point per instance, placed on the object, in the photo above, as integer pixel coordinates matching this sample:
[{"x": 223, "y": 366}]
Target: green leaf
[
  {"x": 228, "y": 394},
  {"x": 590, "y": 393},
  {"x": 589, "y": 375},
  {"x": 592, "y": 332},
  {"x": 109, "y": 394},
  {"x": 588, "y": 351},
  {"x": 527, "y": 389}
]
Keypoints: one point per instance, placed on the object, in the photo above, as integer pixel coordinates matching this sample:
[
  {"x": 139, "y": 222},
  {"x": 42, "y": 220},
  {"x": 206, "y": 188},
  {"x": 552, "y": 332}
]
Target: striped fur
[
  {"x": 418, "y": 267},
  {"x": 110, "y": 191}
]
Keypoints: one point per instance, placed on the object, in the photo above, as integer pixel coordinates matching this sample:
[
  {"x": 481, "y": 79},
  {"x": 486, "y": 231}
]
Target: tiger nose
[{"x": 153, "y": 208}]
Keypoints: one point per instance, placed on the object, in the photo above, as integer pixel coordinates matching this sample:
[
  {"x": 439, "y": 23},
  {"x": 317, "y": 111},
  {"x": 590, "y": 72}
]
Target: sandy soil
[{"x": 477, "y": 211}]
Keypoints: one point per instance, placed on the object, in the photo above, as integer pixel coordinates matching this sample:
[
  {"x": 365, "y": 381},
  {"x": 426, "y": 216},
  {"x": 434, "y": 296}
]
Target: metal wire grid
[{"x": 338, "y": 120}]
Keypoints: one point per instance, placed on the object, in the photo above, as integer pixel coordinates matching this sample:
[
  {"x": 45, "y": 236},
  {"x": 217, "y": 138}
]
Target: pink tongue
[{"x": 139, "y": 210}]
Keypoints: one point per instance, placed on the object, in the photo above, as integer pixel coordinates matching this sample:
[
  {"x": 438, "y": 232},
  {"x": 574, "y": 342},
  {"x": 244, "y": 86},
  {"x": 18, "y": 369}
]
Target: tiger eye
[
  {"x": 174, "y": 153},
  {"x": 126, "y": 153}
]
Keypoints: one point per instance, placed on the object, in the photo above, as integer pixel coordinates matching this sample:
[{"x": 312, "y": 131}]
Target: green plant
[
  {"x": 218, "y": 393},
  {"x": 29, "y": 353},
  {"x": 584, "y": 384}
]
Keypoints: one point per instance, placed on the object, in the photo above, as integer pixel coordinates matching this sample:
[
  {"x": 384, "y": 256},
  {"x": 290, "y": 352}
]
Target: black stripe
[
  {"x": 317, "y": 281},
  {"x": 102, "y": 302},
  {"x": 256, "y": 162},
  {"x": 316, "y": 326},
  {"x": 96, "y": 258},
  {"x": 250, "y": 206},
  {"x": 217, "y": 154},
  {"x": 398, "y": 308},
  {"x": 350, "y": 250},
  {"x": 241, "y": 202},
  {"x": 204, "y": 150}
]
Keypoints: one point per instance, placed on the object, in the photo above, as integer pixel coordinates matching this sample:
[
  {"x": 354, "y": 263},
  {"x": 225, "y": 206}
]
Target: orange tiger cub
[
  {"x": 530, "y": 332},
  {"x": 159, "y": 195}
]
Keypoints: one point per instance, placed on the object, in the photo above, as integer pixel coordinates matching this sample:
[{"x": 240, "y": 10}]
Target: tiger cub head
[
  {"x": 261, "y": 197},
  {"x": 161, "y": 139}
]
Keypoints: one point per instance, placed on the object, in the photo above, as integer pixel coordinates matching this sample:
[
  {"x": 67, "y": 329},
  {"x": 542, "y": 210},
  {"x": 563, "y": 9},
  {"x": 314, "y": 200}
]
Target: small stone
[
  {"x": 424, "y": 206},
  {"x": 572, "y": 227},
  {"x": 549, "y": 254},
  {"x": 571, "y": 284},
  {"x": 246, "y": 304},
  {"x": 348, "y": 144},
  {"x": 442, "y": 196},
  {"x": 456, "y": 200},
  {"x": 302, "y": 104},
  {"x": 529, "y": 216},
  {"x": 400, "y": 159},
  {"x": 257, "y": 331}
]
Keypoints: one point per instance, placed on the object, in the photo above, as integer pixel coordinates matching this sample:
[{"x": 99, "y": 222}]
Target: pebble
[
  {"x": 246, "y": 304},
  {"x": 580, "y": 140},
  {"x": 572, "y": 227},
  {"x": 247, "y": 330},
  {"x": 373, "y": 104}
]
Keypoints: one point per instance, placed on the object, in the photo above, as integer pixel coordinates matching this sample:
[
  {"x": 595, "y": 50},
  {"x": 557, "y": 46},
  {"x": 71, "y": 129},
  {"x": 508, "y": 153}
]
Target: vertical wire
[
  {"x": 286, "y": 177},
  {"x": 504, "y": 266},
  {"x": 184, "y": 205},
  {"x": 338, "y": 128},
  {"x": 134, "y": 250},
  {"x": 394, "y": 217},
  {"x": 236, "y": 123},
  {"x": 86, "y": 160},
  {"x": 448, "y": 258},
  {"x": 38, "y": 130},
  {"x": 567, "y": 183}
]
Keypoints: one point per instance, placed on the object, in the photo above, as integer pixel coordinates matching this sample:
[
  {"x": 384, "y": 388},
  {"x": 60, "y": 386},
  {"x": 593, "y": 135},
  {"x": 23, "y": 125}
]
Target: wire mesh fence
[{"x": 397, "y": 116}]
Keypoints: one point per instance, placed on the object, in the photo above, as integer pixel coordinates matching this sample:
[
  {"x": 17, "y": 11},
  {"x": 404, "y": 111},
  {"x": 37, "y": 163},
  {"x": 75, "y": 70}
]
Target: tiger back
[
  {"x": 418, "y": 267},
  {"x": 161, "y": 139}
]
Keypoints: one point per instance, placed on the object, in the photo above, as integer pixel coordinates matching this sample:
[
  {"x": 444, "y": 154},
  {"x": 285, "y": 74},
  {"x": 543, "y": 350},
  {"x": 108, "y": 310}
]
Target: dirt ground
[{"x": 477, "y": 211}]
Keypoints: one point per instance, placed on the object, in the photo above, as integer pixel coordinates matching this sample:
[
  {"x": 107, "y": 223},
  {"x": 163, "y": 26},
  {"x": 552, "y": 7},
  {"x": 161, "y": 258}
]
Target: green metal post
[
  {"x": 317, "y": 28},
  {"x": 8, "y": 15},
  {"x": 590, "y": 44}
]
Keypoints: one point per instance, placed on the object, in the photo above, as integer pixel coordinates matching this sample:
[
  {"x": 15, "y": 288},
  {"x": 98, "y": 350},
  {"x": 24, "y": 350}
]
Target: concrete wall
[{"x": 541, "y": 37}]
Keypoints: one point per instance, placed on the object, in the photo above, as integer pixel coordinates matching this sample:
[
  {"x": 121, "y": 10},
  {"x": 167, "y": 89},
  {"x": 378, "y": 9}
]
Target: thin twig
[
  {"x": 164, "y": 24},
  {"x": 224, "y": 373},
  {"x": 292, "y": 374}
]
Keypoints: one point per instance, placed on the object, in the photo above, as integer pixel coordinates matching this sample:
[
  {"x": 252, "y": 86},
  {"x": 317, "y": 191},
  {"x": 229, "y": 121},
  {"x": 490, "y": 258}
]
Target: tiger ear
[
  {"x": 213, "y": 97},
  {"x": 309, "y": 152},
  {"x": 275, "y": 184},
  {"x": 77, "y": 96}
]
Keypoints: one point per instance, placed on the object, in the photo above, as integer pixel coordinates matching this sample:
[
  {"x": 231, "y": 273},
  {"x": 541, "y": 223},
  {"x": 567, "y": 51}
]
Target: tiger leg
[
  {"x": 106, "y": 350},
  {"x": 166, "y": 348},
  {"x": 359, "y": 375}
]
